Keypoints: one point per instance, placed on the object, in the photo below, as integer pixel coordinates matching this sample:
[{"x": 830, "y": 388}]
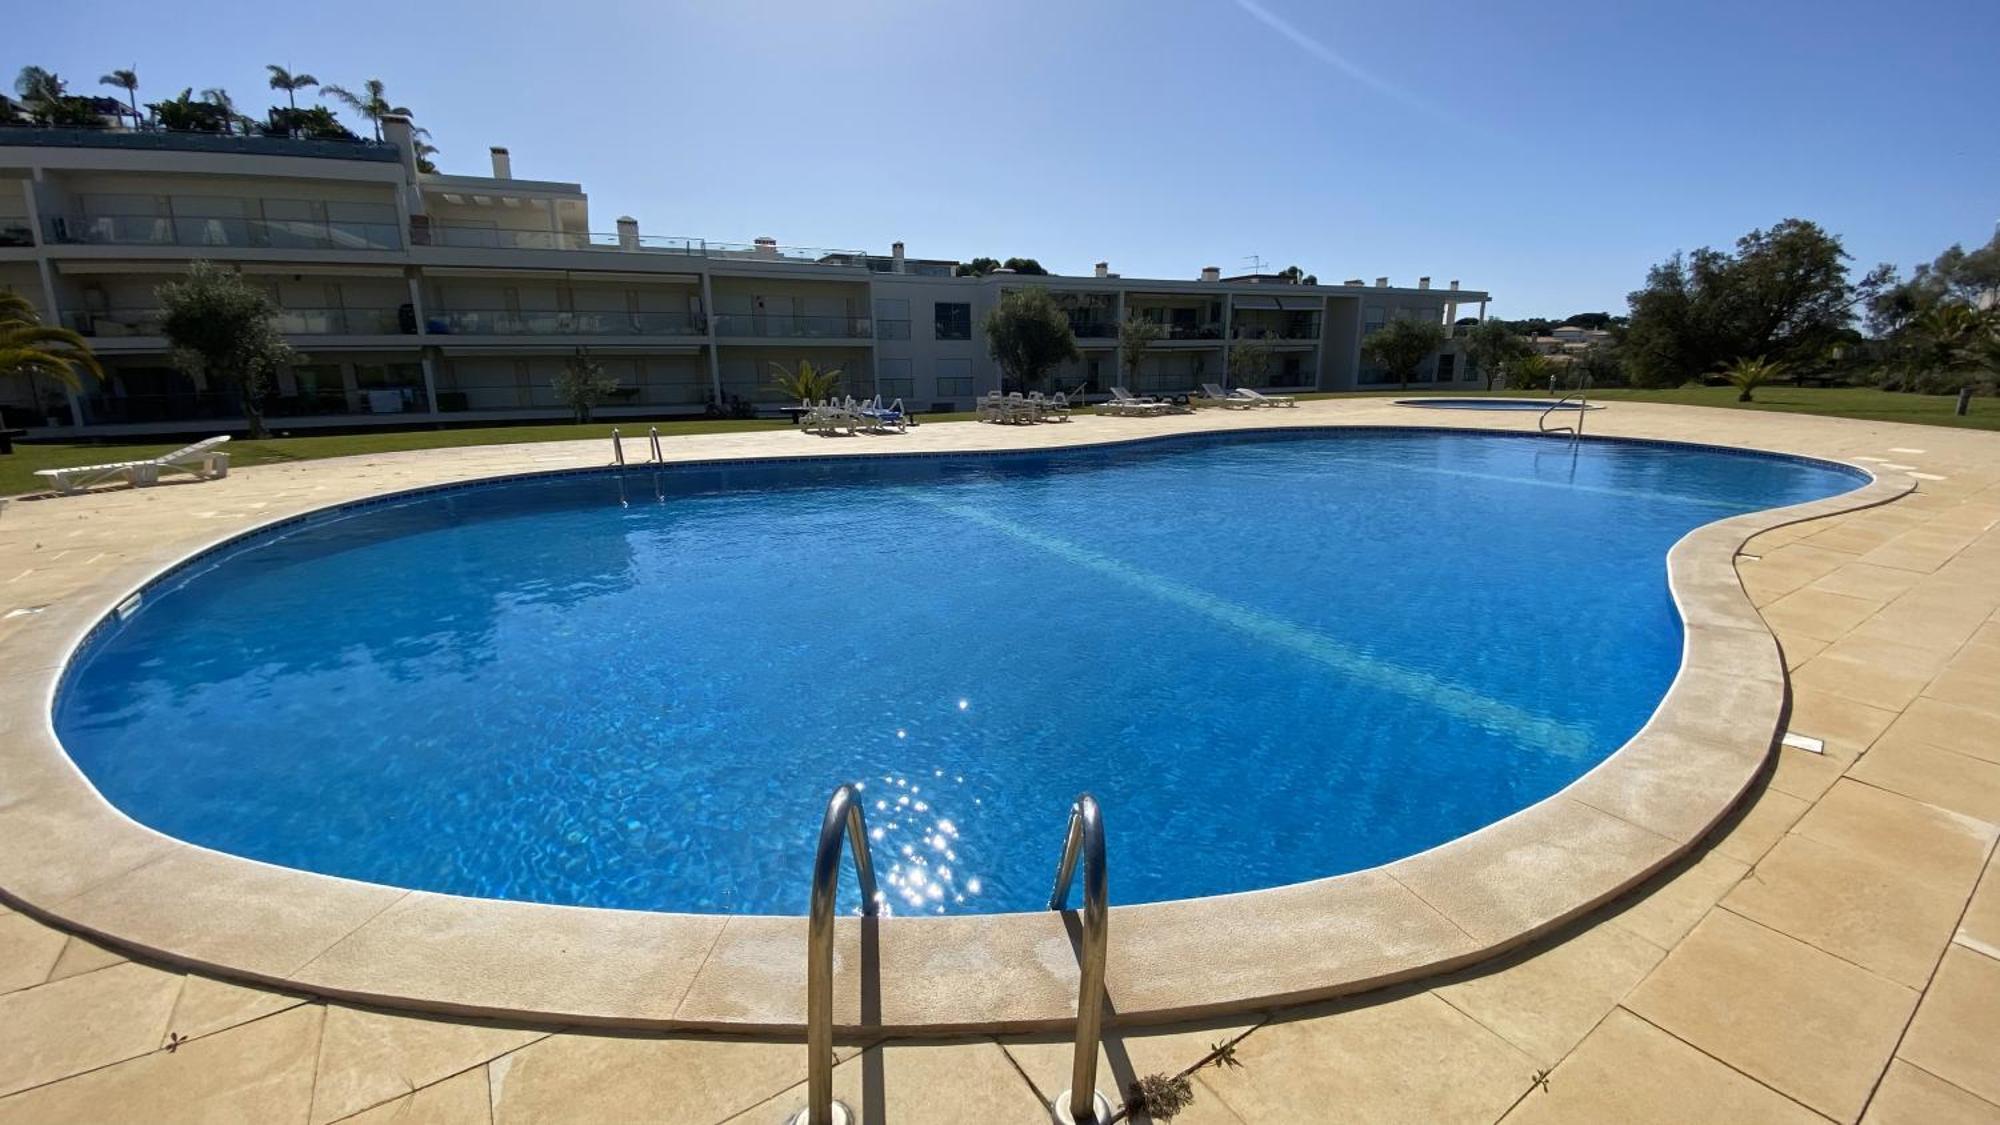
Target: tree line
[{"x": 1782, "y": 302}]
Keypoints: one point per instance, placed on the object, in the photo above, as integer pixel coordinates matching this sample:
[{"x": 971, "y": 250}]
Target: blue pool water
[
  {"x": 1272, "y": 657},
  {"x": 1491, "y": 404}
]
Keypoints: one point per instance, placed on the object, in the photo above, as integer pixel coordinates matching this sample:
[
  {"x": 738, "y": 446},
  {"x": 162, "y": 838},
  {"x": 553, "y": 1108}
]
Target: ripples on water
[{"x": 1272, "y": 659}]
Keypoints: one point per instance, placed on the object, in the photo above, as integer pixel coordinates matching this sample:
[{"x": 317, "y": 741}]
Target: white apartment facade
[{"x": 422, "y": 298}]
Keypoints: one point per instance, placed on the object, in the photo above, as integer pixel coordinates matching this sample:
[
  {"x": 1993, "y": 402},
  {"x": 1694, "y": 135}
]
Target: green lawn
[
  {"x": 17, "y": 471},
  {"x": 1840, "y": 402}
]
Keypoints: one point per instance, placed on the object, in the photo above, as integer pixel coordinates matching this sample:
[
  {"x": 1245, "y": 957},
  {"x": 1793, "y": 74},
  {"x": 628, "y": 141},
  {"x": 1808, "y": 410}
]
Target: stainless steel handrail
[
  {"x": 1582, "y": 396},
  {"x": 654, "y": 433},
  {"x": 1085, "y": 838},
  {"x": 843, "y": 812},
  {"x": 617, "y": 448}
]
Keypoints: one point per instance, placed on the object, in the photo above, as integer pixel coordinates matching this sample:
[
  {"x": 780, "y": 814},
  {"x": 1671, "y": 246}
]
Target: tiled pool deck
[{"x": 1831, "y": 953}]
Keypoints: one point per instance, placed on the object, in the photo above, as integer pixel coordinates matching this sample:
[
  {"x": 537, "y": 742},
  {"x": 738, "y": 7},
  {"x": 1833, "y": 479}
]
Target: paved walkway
[{"x": 1833, "y": 954}]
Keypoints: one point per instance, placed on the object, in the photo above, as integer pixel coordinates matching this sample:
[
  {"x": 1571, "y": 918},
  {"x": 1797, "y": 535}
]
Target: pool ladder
[
  {"x": 1083, "y": 841},
  {"x": 658, "y": 462},
  {"x": 1575, "y": 430}
]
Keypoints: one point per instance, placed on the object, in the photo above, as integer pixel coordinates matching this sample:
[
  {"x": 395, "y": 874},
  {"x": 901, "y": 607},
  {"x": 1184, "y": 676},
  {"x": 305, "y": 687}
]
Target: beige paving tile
[
  {"x": 367, "y": 1058},
  {"x": 1921, "y": 620},
  {"x": 944, "y": 1081},
  {"x": 459, "y": 1100},
  {"x": 1943, "y": 778},
  {"x": 28, "y": 951},
  {"x": 1128, "y": 1054},
  {"x": 1629, "y": 1072},
  {"x": 1956, "y": 1034},
  {"x": 1881, "y": 675},
  {"x": 1414, "y": 1059},
  {"x": 1980, "y": 928},
  {"x": 1663, "y": 914},
  {"x": 1804, "y": 1022},
  {"x": 74, "y": 1025},
  {"x": 1798, "y": 650},
  {"x": 1970, "y": 730},
  {"x": 1970, "y": 683},
  {"x": 1924, "y": 842},
  {"x": 1818, "y": 614},
  {"x": 1544, "y": 1005},
  {"x": 595, "y": 1078},
  {"x": 1767, "y": 818},
  {"x": 1855, "y": 906},
  {"x": 1880, "y": 584},
  {"x": 1911, "y": 1096},
  {"x": 81, "y": 956},
  {"x": 207, "y": 1005},
  {"x": 260, "y": 1072}
]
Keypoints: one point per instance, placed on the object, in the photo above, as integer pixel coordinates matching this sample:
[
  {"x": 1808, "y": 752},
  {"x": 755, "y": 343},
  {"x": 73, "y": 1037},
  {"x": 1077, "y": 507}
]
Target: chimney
[
  {"x": 503, "y": 165},
  {"x": 396, "y": 130},
  {"x": 896, "y": 256},
  {"x": 767, "y": 247},
  {"x": 1423, "y": 283},
  {"x": 1454, "y": 283},
  {"x": 1211, "y": 273},
  {"x": 1381, "y": 283},
  {"x": 1354, "y": 281},
  {"x": 1104, "y": 269},
  {"x": 628, "y": 233}
]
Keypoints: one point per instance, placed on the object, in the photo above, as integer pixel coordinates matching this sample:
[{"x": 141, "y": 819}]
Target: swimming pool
[
  {"x": 1273, "y": 658},
  {"x": 1495, "y": 404}
]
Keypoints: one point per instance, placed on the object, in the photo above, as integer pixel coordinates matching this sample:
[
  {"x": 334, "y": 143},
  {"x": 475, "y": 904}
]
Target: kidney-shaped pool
[{"x": 1272, "y": 657}]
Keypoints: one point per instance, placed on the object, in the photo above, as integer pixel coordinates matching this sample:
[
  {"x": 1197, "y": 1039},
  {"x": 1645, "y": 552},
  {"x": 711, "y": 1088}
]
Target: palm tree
[
  {"x": 1746, "y": 375},
  {"x": 807, "y": 383},
  {"x": 220, "y": 99},
  {"x": 291, "y": 84},
  {"x": 29, "y": 348},
  {"x": 372, "y": 103},
  {"x": 128, "y": 81}
]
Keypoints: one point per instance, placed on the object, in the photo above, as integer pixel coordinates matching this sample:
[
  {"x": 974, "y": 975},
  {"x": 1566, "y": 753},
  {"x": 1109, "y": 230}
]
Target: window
[
  {"x": 1372, "y": 319},
  {"x": 893, "y": 379},
  {"x": 954, "y": 378},
  {"x": 951, "y": 320},
  {"x": 1446, "y": 365}
]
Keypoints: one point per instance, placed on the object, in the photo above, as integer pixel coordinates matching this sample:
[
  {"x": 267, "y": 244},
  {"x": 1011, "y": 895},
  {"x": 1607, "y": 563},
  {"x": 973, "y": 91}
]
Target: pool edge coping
[{"x": 1469, "y": 899}]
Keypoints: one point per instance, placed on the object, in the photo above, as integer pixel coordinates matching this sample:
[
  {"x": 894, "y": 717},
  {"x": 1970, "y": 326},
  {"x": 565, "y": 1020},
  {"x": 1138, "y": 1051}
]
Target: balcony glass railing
[
  {"x": 342, "y": 322},
  {"x": 280, "y": 234},
  {"x": 495, "y": 322},
  {"x": 1192, "y": 331},
  {"x": 112, "y": 323},
  {"x": 16, "y": 232},
  {"x": 1278, "y": 330},
  {"x": 792, "y": 327},
  {"x": 163, "y": 139},
  {"x": 1093, "y": 329}
]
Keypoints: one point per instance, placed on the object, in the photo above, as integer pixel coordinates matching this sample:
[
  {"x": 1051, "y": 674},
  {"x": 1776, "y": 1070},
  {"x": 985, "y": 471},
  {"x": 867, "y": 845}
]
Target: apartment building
[{"x": 424, "y": 298}]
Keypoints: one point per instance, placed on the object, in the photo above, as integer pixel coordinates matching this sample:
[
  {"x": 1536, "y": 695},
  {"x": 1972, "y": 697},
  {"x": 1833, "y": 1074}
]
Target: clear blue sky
[{"x": 1548, "y": 151}]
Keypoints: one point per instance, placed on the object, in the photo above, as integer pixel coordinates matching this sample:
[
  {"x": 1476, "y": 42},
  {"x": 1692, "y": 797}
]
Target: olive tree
[
  {"x": 1028, "y": 334},
  {"x": 1492, "y": 345},
  {"x": 582, "y": 384},
  {"x": 1402, "y": 345},
  {"x": 223, "y": 332}
]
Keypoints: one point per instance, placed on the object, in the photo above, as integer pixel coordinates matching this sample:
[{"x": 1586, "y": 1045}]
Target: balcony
[
  {"x": 263, "y": 234},
  {"x": 16, "y": 232},
  {"x": 1304, "y": 330},
  {"x": 1093, "y": 329},
  {"x": 112, "y": 323},
  {"x": 793, "y": 327},
  {"x": 1186, "y": 331},
  {"x": 497, "y": 322}
]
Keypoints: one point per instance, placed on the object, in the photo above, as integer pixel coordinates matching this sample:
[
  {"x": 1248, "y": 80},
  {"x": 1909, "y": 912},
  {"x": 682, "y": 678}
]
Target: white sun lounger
[
  {"x": 1213, "y": 394},
  {"x": 1123, "y": 402},
  {"x": 1255, "y": 399},
  {"x": 202, "y": 459}
]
